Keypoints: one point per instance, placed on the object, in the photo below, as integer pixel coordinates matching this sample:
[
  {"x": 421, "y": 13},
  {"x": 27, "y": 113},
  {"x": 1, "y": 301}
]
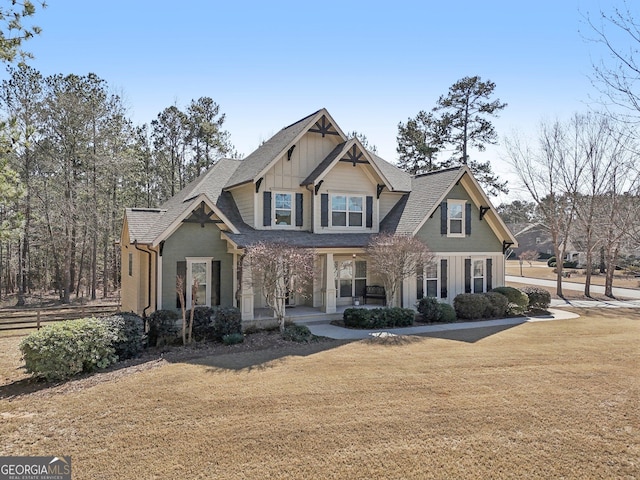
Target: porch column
[
  {"x": 329, "y": 304},
  {"x": 246, "y": 292}
]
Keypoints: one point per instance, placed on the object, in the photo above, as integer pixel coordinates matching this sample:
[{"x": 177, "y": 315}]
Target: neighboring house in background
[
  {"x": 536, "y": 236},
  {"x": 310, "y": 186}
]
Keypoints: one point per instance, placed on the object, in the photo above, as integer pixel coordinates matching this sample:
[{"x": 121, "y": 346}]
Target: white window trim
[
  {"x": 189, "y": 279},
  {"x": 483, "y": 262},
  {"x": 462, "y": 204},
  {"x": 437, "y": 278},
  {"x": 293, "y": 209},
  {"x": 362, "y": 212}
]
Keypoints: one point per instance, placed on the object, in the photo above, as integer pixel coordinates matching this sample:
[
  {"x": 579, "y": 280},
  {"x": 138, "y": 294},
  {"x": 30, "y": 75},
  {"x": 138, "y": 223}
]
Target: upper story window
[
  {"x": 130, "y": 264},
  {"x": 283, "y": 207},
  {"x": 455, "y": 218},
  {"x": 347, "y": 210}
]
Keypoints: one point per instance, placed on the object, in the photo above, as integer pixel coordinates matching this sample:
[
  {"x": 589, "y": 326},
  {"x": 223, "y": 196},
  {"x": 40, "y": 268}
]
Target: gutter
[{"x": 144, "y": 311}]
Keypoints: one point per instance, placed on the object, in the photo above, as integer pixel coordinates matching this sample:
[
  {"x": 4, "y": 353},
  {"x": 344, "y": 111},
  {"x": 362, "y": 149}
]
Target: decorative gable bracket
[
  {"x": 379, "y": 190},
  {"x": 200, "y": 216},
  {"x": 289, "y": 153},
  {"x": 505, "y": 246},
  {"x": 258, "y": 183},
  {"x": 318, "y": 185},
  {"x": 353, "y": 157},
  {"x": 483, "y": 210},
  {"x": 323, "y": 127}
]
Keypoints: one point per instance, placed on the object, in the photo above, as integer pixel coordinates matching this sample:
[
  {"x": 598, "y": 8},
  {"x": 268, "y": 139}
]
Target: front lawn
[{"x": 552, "y": 399}]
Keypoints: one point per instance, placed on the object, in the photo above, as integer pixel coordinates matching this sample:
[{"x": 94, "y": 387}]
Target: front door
[{"x": 351, "y": 279}]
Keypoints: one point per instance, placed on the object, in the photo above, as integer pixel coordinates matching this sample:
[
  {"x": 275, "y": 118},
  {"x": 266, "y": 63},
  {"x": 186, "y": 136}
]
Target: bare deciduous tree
[
  {"x": 395, "y": 258},
  {"x": 529, "y": 256},
  {"x": 280, "y": 271},
  {"x": 551, "y": 174}
]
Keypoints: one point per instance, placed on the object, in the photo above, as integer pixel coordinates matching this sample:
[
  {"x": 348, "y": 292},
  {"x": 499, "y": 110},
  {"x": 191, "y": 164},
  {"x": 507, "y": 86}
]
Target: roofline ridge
[
  {"x": 435, "y": 172},
  {"x": 303, "y": 119}
]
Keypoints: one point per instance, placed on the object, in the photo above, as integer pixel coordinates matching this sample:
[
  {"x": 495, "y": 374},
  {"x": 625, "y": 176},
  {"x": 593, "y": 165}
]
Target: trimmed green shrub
[
  {"x": 226, "y": 320},
  {"x": 447, "y": 313},
  {"x": 297, "y": 333},
  {"x": 430, "y": 309},
  {"x": 518, "y": 301},
  {"x": 233, "y": 338},
  {"x": 202, "y": 323},
  {"x": 378, "y": 317},
  {"x": 470, "y": 306},
  {"x": 539, "y": 298},
  {"x": 128, "y": 329},
  {"x": 356, "y": 317},
  {"x": 498, "y": 305},
  {"x": 62, "y": 350},
  {"x": 162, "y": 327}
]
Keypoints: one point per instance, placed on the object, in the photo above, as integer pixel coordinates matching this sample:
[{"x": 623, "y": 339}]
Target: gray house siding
[
  {"x": 481, "y": 239},
  {"x": 191, "y": 240}
]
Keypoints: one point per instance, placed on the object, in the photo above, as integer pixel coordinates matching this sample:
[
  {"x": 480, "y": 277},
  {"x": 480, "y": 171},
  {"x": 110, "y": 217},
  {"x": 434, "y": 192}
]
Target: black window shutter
[
  {"x": 369, "y": 212},
  {"x": 266, "y": 213},
  {"x": 443, "y": 218},
  {"x": 467, "y": 275},
  {"x": 299, "y": 216},
  {"x": 443, "y": 279},
  {"x": 181, "y": 271},
  {"x": 467, "y": 219},
  {"x": 489, "y": 274},
  {"x": 215, "y": 283},
  {"x": 324, "y": 209}
]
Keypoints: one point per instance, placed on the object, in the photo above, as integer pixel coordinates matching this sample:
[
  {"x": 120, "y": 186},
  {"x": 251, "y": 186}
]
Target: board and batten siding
[
  {"x": 192, "y": 240},
  {"x": 310, "y": 150},
  {"x": 345, "y": 179},
  {"x": 455, "y": 276}
]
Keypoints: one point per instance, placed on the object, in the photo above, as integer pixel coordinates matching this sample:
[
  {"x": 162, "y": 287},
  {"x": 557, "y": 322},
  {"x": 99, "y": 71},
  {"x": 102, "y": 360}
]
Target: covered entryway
[{"x": 351, "y": 279}]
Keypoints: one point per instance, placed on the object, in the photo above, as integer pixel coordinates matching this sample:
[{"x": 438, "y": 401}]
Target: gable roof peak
[{"x": 260, "y": 160}]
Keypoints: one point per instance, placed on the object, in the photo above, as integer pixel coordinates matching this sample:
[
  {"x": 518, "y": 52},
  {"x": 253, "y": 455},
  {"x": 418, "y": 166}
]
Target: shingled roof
[
  {"x": 145, "y": 225},
  {"x": 262, "y": 157},
  {"x": 426, "y": 194}
]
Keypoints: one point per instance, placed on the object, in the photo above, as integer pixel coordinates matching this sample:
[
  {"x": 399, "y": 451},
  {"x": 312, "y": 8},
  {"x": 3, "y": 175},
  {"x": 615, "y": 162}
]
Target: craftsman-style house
[{"x": 311, "y": 186}]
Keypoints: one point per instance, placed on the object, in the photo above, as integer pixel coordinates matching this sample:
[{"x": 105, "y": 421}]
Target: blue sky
[{"x": 371, "y": 64}]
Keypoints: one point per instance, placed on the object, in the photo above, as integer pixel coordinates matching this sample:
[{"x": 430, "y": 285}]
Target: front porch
[{"x": 339, "y": 280}]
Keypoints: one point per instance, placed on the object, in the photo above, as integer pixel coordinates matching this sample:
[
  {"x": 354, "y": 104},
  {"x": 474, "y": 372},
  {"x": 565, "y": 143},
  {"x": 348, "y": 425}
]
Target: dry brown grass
[
  {"x": 542, "y": 400},
  {"x": 540, "y": 270}
]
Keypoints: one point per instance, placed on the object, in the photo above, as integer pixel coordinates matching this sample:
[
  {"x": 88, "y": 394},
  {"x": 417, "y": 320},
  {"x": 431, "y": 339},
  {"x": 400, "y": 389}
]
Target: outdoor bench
[{"x": 375, "y": 291}]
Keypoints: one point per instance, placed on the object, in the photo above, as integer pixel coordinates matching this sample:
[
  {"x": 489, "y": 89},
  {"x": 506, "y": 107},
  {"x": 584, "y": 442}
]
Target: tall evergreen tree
[{"x": 458, "y": 121}]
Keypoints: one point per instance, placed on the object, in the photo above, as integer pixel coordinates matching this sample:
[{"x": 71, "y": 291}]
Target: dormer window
[
  {"x": 283, "y": 207},
  {"x": 346, "y": 210}
]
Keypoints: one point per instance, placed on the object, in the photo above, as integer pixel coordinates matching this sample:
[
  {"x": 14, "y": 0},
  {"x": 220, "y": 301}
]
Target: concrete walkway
[
  {"x": 617, "y": 291},
  {"x": 340, "y": 333}
]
